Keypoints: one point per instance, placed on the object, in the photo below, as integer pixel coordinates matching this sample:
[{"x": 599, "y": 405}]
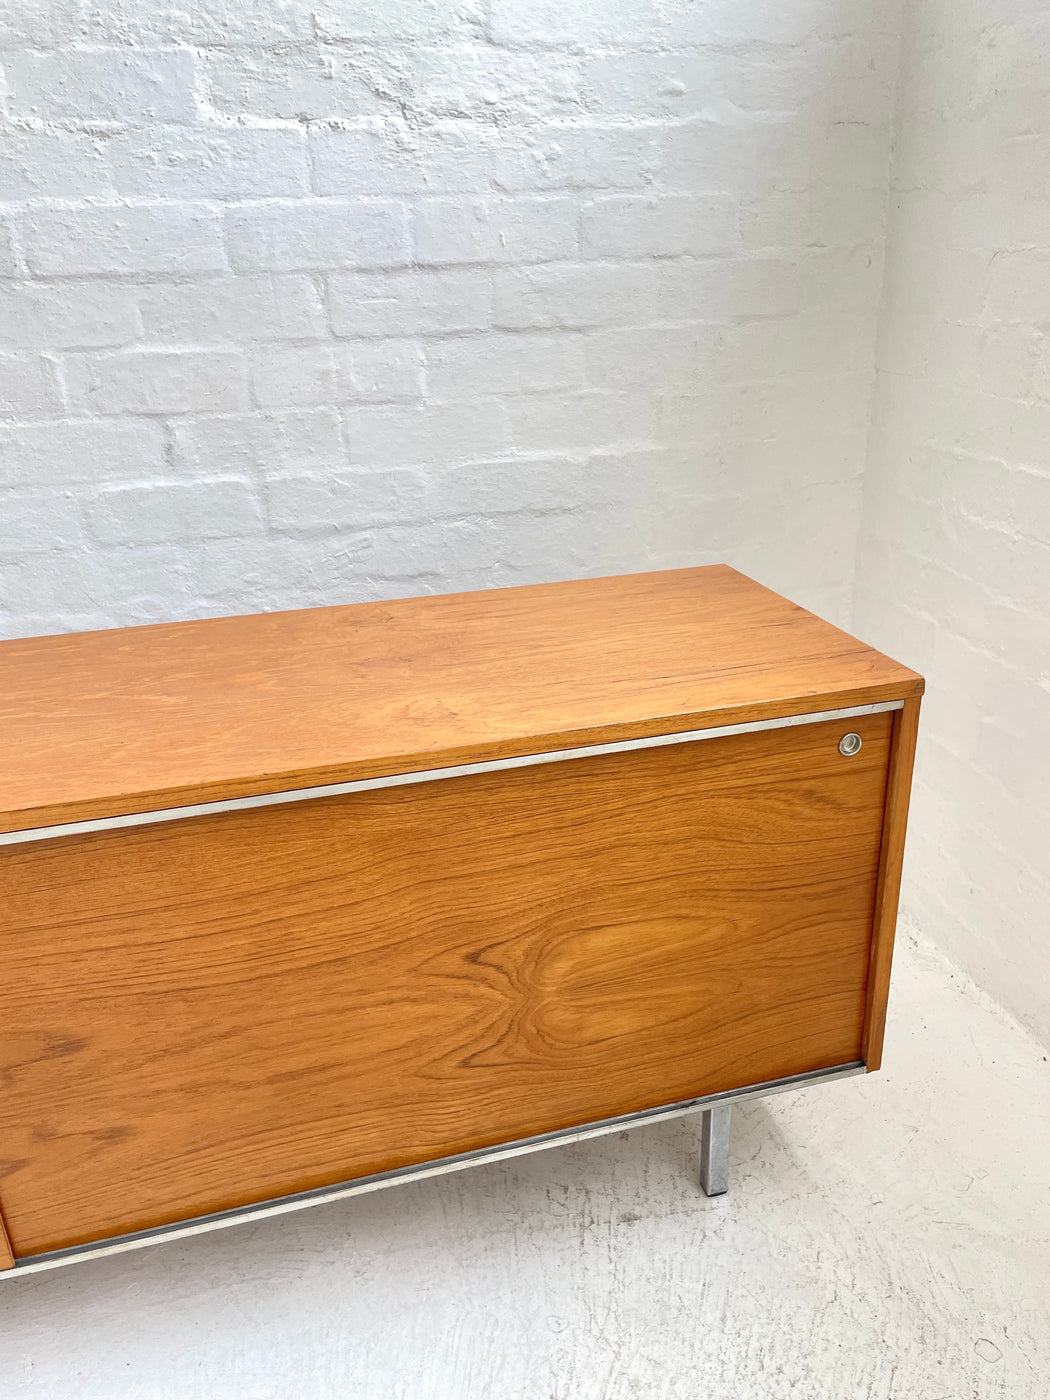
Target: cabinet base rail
[{"x": 713, "y": 1168}]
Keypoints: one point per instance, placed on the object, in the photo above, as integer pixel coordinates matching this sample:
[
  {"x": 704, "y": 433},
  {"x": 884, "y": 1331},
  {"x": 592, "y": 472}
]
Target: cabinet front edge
[
  {"x": 148, "y": 814},
  {"x": 35, "y": 813}
]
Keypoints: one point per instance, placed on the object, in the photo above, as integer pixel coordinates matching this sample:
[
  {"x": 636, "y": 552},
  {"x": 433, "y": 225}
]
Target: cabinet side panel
[
  {"x": 7, "y": 1258},
  {"x": 208, "y": 1013},
  {"x": 891, "y": 860}
]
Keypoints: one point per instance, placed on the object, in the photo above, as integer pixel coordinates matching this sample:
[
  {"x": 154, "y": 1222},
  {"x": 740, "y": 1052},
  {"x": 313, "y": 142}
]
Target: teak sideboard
[{"x": 296, "y": 905}]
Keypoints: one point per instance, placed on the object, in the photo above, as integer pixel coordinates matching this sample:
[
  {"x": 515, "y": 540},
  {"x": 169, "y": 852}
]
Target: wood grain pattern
[
  {"x": 891, "y": 861},
  {"x": 142, "y": 718},
  {"x": 205, "y": 1013}
]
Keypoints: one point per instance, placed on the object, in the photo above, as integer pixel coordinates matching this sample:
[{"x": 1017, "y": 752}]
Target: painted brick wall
[
  {"x": 955, "y": 563},
  {"x": 305, "y": 303}
]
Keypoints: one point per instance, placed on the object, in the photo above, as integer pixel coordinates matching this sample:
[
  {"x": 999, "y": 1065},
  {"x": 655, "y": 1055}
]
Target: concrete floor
[{"x": 884, "y": 1239}]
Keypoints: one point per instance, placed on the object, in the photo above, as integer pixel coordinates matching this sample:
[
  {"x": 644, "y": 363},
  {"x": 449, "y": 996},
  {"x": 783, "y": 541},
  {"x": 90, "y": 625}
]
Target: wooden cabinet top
[{"x": 97, "y": 724}]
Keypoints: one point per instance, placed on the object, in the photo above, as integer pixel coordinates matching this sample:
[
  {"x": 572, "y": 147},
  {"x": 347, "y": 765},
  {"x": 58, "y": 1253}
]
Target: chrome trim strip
[
  {"x": 271, "y": 799},
  {"x": 283, "y": 1205}
]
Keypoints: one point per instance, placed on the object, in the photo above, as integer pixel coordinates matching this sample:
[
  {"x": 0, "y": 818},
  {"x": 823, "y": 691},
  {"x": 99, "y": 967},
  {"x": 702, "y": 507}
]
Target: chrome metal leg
[{"x": 714, "y": 1150}]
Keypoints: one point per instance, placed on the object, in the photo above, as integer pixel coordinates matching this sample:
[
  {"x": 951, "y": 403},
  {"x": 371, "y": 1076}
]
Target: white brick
[
  {"x": 993, "y": 427},
  {"x": 193, "y": 164},
  {"x": 119, "y": 86},
  {"x": 502, "y": 88},
  {"x": 466, "y": 431},
  {"x": 346, "y": 501},
  {"x": 237, "y": 578},
  {"x": 511, "y": 230},
  {"x": 231, "y": 23},
  {"x": 379, "y": 371},
  {"x": 576, "y": 157},
  {"x": 271, "y": 443},
  {"x": 292, "y": 236},
  {"x": 819, "y": 340},
  {"x": 200, "y": 510},
  {"x": 474, "y": 551},
  {"x": 8, "y": 261},
  {"x": 836, "y": 404},
  {"x": 774, "y": 287},
  {"x": 664, "y": 358},
  {"x": 40, "y": 24},
  {"x": 1007, "y": 362},
  {"x": 40, "y": 523},
  {"x": 504, "y": 363},
  {"x": 319, "y": 569},
  {"x": 574, "y": 295},
  {"x": 734, "y": 157},
  {"x": 396, "y": 160},
  {"x": 784, "y": 460},
  {"x": 851, "y": 155},
  {"x": 842, "y": 279},
  {"x": 785, "y": 80},
  {"x": 499, "y": 488},
  {"x": 1014, "y": 61},
  {"x": 598, "y": 537},
  {"x": 393, "y": 19},
  {"x": 420, "y": 301},
  {"x": 659, "y": 226},
  {"x": 210, "y": 311},
  {"x": 586, "y": 22},
  {"x": 139, "y": 585},
  {"x": 778, "y": 219},
  {"x": 1019, "y": 286},
  {"x": 419, "y": 554},
  {"x": 1039, "y": 374},
  {"x": 314, "y": 83},
  {"x": 292, "y": 376},
  {"x": 122, "y": 241},
  {"x": 937, "y": 281},
  {"x": 849, "y": 99},
  {"x": 42, "y": 164},
  {"x": 767, "y": 408},
  {"x": 157, "y": 381},
  {"x": 724, "y": 290},
  {"x": 70, "y": 451},
  {"x": 28, "y": 387},
  {"x": 660, "y": 86},
  {"x": 645, "y": 483},
  {"x": 995, "y": 493},
  {"x": 1018, "y": 164},
  {"x": 579, "y": 423},
  {"x": 67, "y": 315},
  {"x": 846, "y": 214},
  {"x": 730, "y": 22},
  {"x": 979, "y": 220}
]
